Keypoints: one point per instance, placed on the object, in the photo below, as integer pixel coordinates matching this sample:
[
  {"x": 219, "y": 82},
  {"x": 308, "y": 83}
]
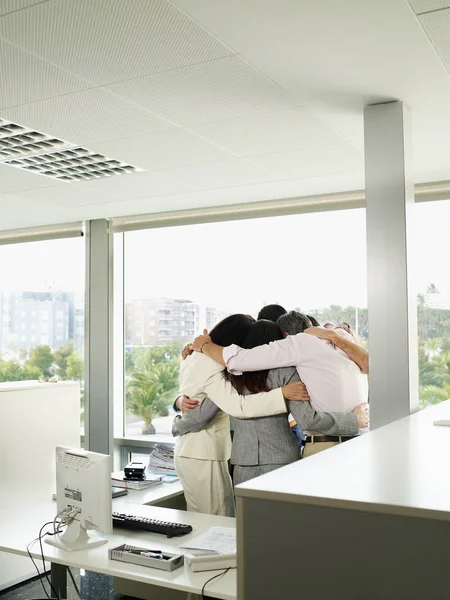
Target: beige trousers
[
  {"x": 207, "y": 486},
  {"x": 313, "y": 448}
]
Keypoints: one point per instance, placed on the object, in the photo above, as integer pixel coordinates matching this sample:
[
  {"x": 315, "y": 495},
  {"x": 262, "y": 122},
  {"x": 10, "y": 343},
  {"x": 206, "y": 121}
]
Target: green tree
[
  {"x": 144, "y": 398},
  {"x": 41, "y": 357},
  {"x": 152, "y": 381},
  {"x": 60, "y": 359},
  {"x": 75, "y": 367},
  {"x": 11, "y": 370}
]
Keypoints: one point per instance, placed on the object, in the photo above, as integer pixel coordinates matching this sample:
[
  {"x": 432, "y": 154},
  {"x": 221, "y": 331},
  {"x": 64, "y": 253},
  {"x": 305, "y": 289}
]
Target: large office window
[
  {"x": 433, "y": 281},
  {"x": 179, "y": 280},
  {"x": 42, "y": 311}
]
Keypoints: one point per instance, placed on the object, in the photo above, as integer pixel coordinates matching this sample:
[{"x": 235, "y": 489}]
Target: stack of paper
[
  {"x": 118, "y": 480},
  {"x": 217, "y": 540},
  {"x": 214, "y": 549},
  {"x": 161, "y": 459}
]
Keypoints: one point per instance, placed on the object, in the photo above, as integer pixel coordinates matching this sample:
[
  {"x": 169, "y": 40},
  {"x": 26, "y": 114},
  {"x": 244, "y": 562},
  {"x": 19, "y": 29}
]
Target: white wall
[{"x": 35, "y": 418}]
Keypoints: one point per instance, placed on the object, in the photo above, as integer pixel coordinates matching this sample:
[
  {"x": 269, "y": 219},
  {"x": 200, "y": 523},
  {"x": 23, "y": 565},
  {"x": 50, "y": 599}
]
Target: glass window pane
[
  {"x": 42, "y": 311},
  {"x": 433, "y": 304},
  {"x": 179, "y": 280}
]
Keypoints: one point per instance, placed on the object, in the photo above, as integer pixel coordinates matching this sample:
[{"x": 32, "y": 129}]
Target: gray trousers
[{"x": 242, "y": 473}]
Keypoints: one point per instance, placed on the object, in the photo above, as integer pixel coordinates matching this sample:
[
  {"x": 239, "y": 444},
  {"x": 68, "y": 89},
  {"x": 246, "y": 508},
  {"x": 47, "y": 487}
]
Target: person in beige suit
[{"x": 201, "y": 457}]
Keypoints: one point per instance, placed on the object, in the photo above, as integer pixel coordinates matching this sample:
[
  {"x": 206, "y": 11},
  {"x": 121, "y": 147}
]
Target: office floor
[{"x": 93, "y": 586}]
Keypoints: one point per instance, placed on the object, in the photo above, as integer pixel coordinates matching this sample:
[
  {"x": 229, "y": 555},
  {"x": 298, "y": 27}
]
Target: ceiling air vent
[{"x": 45, "y": 155}]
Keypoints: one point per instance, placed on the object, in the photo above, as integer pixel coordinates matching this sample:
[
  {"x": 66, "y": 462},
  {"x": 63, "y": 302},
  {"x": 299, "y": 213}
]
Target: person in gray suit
[{"x": 263, "y": 444}]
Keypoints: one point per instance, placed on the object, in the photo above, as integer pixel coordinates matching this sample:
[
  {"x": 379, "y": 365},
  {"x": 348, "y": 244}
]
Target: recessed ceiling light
[{"x": 43, "y": 154}]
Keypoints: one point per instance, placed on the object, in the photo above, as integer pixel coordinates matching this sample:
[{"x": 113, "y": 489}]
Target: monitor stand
[{"x": 75, "y": 537}]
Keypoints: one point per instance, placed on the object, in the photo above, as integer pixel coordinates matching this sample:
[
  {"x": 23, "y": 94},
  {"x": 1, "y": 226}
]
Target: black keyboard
[{"x": 151, "y": 525}]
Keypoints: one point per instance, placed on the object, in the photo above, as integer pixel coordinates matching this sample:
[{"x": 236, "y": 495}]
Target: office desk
[
  {"x": 160, "y": 495},
  {"x": 24, "y": 521},
  {"x": 369, "y": 519}
]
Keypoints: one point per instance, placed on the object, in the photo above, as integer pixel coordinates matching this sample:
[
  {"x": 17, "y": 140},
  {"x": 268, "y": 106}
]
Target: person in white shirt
[
  {"x": 336, "y": 381},
  {"x": 201, "y": 457}
]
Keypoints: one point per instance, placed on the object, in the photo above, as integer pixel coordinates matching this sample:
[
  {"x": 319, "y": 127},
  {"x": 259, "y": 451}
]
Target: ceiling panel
[
  {"x": 162, "y": 150},
  {"x": 437, "y": 27},
  {"x": 26, "y": 78},
  {"x": 139, "y": 185},
  {"x": 221, "y": 174},
  {"x": 88, "y": 116},
  {"x": 9, "y": 6},
  {"x": 235, "y": 195},
  {"x": 18, "y": 212},
  {"x": 14, "y": 180},
  {"x": 214, "y": 91},
  {"x": 422, "y": 6},
  {"x": 312, "y": 162},
  {"x": 266, "y": 133},
  {"x": 112, "y": 40},
  {"x": 65, "y": 195}
]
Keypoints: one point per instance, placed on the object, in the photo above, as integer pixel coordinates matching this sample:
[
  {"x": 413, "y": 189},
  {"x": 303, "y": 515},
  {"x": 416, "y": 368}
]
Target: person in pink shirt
[{"x": 335, "y": 374}]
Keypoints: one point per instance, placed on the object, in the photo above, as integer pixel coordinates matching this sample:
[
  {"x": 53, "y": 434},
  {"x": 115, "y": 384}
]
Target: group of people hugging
[{"x": 290, "y": 387}]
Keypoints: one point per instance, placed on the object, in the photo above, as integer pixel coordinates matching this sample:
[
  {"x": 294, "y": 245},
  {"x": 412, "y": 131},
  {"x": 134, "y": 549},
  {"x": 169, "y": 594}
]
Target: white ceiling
[{"x": 218, "y": 102}]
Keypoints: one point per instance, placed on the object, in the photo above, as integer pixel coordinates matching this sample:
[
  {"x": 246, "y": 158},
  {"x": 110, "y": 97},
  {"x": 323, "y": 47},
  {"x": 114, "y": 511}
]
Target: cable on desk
[
  {"x": 212, "y": 578},
  {"x": 57, "y": 595},
  {"x": 39, "y": 538}
]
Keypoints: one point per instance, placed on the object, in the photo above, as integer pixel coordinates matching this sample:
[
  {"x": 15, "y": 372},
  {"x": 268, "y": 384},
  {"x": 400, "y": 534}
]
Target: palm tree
[
  {"x": 166, "y": 375},
  {"x": 150, "y": 390},
  {"x": 143, "y": 394},
  {"x": 433, "y": 394}
]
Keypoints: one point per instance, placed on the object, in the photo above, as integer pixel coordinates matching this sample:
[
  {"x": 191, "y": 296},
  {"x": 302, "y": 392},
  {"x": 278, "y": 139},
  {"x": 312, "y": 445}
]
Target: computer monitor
[{"x": 83, "y": 495}]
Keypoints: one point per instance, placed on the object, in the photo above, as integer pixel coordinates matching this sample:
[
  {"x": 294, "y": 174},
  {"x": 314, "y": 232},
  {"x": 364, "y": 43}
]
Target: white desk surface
[
  {"x": 399, "y": 469},
  {"x": 17, "y": 532},
  {"x": 152, "y": 495},
  {"x": 18, "y": 386}
]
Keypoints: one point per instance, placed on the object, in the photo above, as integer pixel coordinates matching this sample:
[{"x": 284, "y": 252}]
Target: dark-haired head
[
  {"x": 293, "y": 322},
  {"x": 271, "y": 312},
  {"x": 232, "y": 330},
  {"x": 261, "y": 332},
  {"x": 314, "y": 321}
]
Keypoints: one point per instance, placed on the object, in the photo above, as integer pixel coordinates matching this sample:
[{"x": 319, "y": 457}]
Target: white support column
[
  {"x": 99, "y": 336},
  {"x": 392, "y": 302}
]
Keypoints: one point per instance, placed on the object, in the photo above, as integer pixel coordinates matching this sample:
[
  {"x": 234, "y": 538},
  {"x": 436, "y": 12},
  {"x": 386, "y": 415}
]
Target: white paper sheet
[{"x": 221, "y": 540}]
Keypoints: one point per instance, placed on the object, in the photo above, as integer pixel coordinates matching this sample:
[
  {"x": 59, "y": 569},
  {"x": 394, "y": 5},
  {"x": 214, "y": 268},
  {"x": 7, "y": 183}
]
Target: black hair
[
  {"x": 314, "y": 321},
  {"x": 261, "y": 332},
  {"x": 232, "y": 330},
  {"x": 271, "y": 312}
]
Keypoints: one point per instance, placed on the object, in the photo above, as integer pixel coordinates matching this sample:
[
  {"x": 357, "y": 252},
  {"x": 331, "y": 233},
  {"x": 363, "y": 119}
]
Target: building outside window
[{"x": 41, "y": 306}]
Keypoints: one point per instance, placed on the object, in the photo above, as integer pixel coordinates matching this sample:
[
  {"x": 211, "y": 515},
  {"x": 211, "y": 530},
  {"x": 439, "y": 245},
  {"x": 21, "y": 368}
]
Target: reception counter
[{"x": 368, "y": 519}]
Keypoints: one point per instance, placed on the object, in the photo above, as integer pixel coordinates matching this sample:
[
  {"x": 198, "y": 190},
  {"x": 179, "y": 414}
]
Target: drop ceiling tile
[
  {"x": 65, "y": 195},
  {"x": 437, "y": 27},
  {"x": 235, "y": 195},
  {"x": 111, "y": 40},
  {"x": 422, "y": 6},
  {"x": 9, "y": 6},
  {"x": 269, "y": 132},
  {"x": 221, "y": 174},
  {"x": 15, "y": 180},
  {"x": 138, "y": 185},
  {"x": 16, "y": 213},
  {"x": 162, "y": 150},
  {"x": 214, "y": 91},
  {"x": 85, "y": 117},
  {"x": 312, "y": 162},
  {"x": 26, "y": 78}
]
